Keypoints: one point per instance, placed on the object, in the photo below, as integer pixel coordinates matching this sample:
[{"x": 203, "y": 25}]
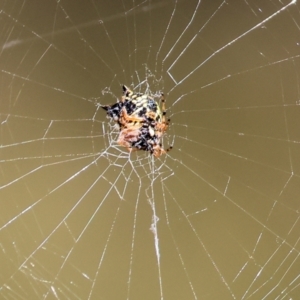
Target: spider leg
[
  {"x": 164, "y": 111},
  {"x": 163, "y": 107},
  {"x": 169, "y": 149}
]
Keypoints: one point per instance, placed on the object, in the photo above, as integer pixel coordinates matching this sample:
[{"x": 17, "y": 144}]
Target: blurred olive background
[{"x": 215, "y": 218}]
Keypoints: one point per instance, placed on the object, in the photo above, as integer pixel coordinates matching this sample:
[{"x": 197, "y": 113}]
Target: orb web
[{"x": 215, "y": 218}]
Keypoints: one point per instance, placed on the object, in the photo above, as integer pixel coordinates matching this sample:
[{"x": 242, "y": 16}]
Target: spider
[{"x": 141, "y": 121}]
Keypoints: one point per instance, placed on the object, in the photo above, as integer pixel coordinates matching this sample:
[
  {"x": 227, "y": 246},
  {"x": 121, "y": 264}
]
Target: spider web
[{"x": 215, "y": 218}]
